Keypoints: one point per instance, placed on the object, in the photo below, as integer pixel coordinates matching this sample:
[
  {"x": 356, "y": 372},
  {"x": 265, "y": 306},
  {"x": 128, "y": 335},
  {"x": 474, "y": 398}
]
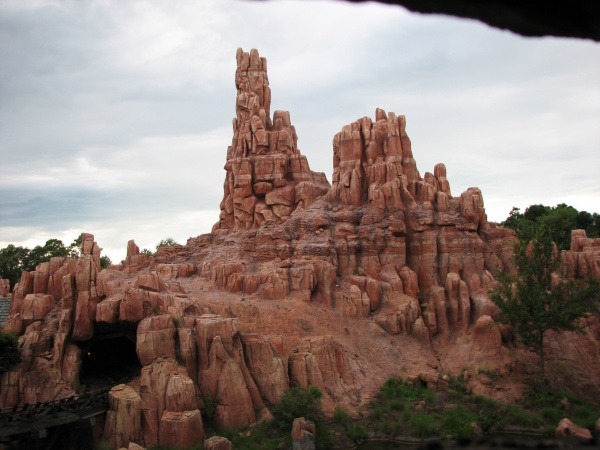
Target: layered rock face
[
  {"x": 383, "y": 273},
  {"x": 267, "y": 177},
  {"x": 383, "y": 241}
]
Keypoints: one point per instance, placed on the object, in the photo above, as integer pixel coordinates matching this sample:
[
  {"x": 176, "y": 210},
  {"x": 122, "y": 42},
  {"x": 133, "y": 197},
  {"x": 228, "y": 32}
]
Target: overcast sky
[{"x": 115, "y": 116}]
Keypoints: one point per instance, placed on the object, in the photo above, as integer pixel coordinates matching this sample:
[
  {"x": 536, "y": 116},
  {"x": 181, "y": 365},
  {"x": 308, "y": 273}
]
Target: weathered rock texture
[
  {"x": 267, "y": 177},
  {"x": 303, "y": 434},
  {"x": 217, "y": 443},
  {"x": 383, "y": 273},
  {"x": 123, "y": 420},
  {"x": 567, "y": 429}
]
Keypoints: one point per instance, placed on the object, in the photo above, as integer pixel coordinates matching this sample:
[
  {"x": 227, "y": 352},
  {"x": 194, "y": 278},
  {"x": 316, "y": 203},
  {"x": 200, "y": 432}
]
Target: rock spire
[{"x": 267, "y": 176}]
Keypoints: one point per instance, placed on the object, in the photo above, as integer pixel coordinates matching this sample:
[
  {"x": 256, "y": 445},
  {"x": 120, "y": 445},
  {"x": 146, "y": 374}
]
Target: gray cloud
[{"x": 115, "y": 116}]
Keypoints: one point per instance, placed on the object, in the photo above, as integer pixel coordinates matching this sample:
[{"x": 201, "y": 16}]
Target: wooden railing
[{"x": 29, "y": 417}]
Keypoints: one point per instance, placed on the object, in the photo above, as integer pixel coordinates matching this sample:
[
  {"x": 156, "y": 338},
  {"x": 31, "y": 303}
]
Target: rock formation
[
  {"x": 303, "y": 434},
  {"x": 567, "y": 429},
  {"x": 267, "y": 177},
  {"x": 300, "y": 283}
]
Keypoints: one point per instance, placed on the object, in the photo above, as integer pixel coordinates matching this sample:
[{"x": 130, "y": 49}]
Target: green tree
[
  {"x": 304, "y": 402},
  {"x": 537, "y": 300},
  {"x": 299, "y": 402},
  {"x": 75, "y": 247},
  {"x": 559, "y": 220},
  {"x": 167, "y": 242},
  {"x": 43, "y": 253},
  {"x": 105, "y": 262},
  {"x": 10, "y": 355},
  {"x": 12, "y": 260}
]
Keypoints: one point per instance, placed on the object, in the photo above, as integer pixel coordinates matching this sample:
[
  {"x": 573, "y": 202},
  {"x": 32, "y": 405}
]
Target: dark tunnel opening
[{"x": 108, "y": 359}]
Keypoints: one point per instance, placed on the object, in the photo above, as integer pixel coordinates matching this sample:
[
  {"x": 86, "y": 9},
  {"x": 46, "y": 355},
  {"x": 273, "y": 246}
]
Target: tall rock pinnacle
[{"x": 267, "y": 176}]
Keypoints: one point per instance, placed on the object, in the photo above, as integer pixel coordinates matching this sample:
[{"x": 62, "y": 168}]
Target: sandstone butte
[{"x": 384, "y": 272}]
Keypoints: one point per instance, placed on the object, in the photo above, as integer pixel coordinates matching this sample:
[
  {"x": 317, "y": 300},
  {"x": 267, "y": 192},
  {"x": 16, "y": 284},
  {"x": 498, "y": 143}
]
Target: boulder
[
  {"x": 217, "y": 443},
  {"x": 303, "y": 434},
  {"x": 567, "y": 429}
]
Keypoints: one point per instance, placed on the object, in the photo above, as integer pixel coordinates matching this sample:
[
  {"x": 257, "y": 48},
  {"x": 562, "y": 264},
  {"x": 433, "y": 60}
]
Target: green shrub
[
  {"x": 457, "y": 421},
  {"x": 458, "y": 384},
  {"x": 209, "y": 410},
  {"x": 516, "y": 416},
  {"x": 550, "y": 413},
  {"x": 378, "y": 412},
  {"x": 486, "y": 402},
  {"x": 397, "y": 388},
  {"x": 585, "y": 415},
  {"x": 423, "y": 425},
  {"x": 341, "y": 416},
  {"x": 324, "y": 439},
  {"x": 304, "y": 402},
  {"x": 356, "y": 432},
  {"x": 299, "y": 402},
  {"x": 260, "y": 437}
]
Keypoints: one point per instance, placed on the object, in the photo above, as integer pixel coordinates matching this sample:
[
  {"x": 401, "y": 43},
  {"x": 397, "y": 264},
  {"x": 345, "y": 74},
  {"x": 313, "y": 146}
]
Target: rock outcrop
[
  {"x": 123, "y": 420},
  {"x": 303, "y": 434},
  {"x": 300, "y": 283},
  {"x": 217, "y": 443},
  {"x": 383, "y": 241},
  {"x": 266, "y": 176}
]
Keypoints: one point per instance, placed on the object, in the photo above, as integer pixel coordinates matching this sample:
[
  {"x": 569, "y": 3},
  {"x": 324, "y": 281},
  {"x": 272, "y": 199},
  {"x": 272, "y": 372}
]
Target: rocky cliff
[{"x": 299, "y": 283}]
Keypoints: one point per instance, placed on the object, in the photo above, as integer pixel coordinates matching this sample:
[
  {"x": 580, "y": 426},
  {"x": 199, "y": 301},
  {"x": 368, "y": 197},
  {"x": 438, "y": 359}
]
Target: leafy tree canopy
[
  {"x": 14, "y": 260},
  {"x": 539, "y": 300},
  {"x": 559, "y": 221},
  {"x": 105, "y": 261}
]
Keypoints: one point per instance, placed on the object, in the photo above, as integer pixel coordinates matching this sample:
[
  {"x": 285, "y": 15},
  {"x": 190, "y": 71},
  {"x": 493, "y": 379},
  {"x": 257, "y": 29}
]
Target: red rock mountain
[{"x": 382, "y": 273}]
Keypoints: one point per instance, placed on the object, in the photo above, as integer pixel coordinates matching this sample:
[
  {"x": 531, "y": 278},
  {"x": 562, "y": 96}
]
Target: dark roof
[{"x": 4, "y": 309}]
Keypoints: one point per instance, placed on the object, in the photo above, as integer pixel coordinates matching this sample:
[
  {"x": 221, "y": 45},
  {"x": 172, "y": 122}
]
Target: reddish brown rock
[
  {"x": 303, "y": 434},
  {"x": 385, "y": 273},
  {"x": 35, "y": 307},
  {"x": 155, "y": 382},
  {"x": 224, "y": 379},
  {"x": 217, "y": 443},
  {"x": 123, "y": 419},
  {"x": 135, "y": 261},
  {"x": 181, "y": 429},
  {"x": 567, "y": 429},
  {"x": 583, "y": 259},
  {"x": 264, "y": 165},
  {"x": 266, "y": 367},
  {"x": 487, "y": 339},
  {"x": 155, "y": 339}
]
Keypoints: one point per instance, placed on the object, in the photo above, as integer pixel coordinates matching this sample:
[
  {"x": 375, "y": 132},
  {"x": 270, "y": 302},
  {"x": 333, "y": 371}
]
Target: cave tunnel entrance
[{"x": 108, "y": 359}]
